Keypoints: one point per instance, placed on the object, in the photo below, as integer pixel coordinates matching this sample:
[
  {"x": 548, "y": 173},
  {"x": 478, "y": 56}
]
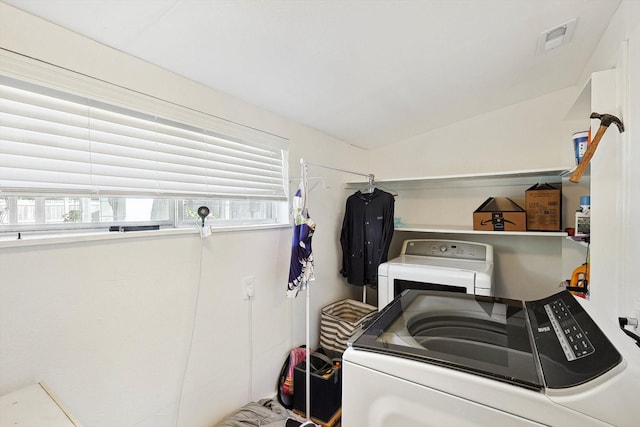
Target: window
[
  {"x": 40, "y": 213},
  {"x": 20, "y": 213},
  {"x": 229, "y": 212},
  {"x": 68, "y": 161}
]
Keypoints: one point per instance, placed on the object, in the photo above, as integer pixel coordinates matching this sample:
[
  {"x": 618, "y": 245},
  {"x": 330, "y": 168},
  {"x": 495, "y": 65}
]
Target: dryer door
[{"x": 406, "y": 276}]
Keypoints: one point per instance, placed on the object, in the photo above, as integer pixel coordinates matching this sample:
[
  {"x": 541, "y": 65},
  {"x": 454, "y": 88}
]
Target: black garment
[{"x": 367, "y": 230}]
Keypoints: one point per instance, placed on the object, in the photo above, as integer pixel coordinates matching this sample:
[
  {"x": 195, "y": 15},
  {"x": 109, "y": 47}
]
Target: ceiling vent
[{"x": 555, "y": 37}]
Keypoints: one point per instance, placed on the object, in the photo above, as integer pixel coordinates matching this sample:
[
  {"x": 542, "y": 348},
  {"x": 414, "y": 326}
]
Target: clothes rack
[
  {"x": 371, "y": 185},
  {"x": 371, "y": 180}
]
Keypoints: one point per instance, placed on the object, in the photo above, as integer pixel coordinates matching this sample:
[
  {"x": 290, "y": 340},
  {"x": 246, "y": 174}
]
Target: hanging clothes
[
  {"x": 366, "y": 235},
  {"x": 301, "y": 266}
]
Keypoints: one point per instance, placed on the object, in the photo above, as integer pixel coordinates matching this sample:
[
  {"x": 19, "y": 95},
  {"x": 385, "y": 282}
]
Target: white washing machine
[
  {"x": 444, "y": 265},
  {"x": 452, "y": 359}
]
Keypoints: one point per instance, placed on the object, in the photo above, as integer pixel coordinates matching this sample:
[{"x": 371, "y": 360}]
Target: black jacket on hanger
[{"x": 367, "y": 230}]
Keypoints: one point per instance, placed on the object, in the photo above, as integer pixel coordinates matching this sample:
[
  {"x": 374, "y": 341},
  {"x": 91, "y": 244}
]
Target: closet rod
[
  {"x": 371, "y": 177},
  {"x": 368, "y": 175}
]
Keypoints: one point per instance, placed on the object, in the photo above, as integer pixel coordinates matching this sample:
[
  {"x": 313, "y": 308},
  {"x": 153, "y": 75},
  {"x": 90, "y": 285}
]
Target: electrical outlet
[{"x": 249, "y": 287}]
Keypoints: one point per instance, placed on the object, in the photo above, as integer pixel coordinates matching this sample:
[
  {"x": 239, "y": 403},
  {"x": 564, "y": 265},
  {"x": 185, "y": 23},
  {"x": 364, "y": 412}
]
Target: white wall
[
  {"x": 107, "y": 324},
  {"x": 528, "y": 135}
]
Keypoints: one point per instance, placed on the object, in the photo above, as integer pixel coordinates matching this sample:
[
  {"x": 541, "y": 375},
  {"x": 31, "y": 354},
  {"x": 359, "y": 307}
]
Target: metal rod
[
  {"x": 307, "y": 373},
  {"x": 310, "y": 178},
  {"x": 371, "y": 177},
  {"x": 368, "y": 175}
]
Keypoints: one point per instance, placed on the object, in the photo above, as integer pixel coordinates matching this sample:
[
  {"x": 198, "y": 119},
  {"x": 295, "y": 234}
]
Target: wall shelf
[
  {"x": 521, "y": 177},
  {"x": 494, "y": 179},
  {"x": 456, "y": 229}
]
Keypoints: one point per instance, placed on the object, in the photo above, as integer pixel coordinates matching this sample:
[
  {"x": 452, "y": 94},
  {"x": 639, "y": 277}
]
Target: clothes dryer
[{"x": 436, "y": 264}]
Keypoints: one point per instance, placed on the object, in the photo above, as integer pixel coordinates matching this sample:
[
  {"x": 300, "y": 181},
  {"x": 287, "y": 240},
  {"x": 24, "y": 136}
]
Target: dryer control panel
[{"x": 448, "y": 249}]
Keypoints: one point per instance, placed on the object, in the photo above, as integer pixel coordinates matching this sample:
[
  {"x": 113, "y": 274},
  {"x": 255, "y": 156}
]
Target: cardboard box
[
  {"x": 543, "y": 203},
  {"x": 500, "y": 214}
]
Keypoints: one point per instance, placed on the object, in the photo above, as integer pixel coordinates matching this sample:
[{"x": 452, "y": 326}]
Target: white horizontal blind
[{"x": 52, "y": 142}]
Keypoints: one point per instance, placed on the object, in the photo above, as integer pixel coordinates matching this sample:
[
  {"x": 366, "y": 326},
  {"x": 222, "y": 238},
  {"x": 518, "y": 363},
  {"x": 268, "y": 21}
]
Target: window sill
[{"x": 35, "y": 239}]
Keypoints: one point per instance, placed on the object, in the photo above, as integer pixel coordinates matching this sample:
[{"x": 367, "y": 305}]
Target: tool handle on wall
[{"x": 586, "y": 158}]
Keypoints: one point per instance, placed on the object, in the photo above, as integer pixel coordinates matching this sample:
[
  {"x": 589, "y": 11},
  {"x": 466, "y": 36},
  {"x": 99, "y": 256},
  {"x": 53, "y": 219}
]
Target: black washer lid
[{"x": 484, "y": 336}]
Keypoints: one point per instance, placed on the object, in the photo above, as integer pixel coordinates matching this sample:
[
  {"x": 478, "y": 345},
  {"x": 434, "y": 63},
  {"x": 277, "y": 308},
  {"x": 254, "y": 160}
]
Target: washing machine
[
  {"x": 435, "y": 358},
  {"x": 436, "y": 264}
]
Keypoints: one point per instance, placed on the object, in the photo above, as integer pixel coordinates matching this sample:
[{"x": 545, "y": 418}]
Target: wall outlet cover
[{"x": 248, "y": 287}]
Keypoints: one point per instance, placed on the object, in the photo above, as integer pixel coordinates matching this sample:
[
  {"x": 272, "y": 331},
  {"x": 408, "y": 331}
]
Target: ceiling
[{"x": 367, "y": 72}]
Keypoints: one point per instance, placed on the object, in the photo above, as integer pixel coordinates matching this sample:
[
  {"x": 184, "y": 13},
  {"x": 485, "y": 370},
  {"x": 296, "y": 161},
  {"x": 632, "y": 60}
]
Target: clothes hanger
[{"x": 372, "y": 185}]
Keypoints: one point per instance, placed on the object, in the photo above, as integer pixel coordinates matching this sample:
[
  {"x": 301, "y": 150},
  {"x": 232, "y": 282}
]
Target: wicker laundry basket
[{"x": 339, "y": 320}]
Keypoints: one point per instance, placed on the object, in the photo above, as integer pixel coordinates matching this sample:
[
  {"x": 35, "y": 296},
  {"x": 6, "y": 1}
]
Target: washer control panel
[
  {"x": 571, "y": 348},
  {"x": 573, "y": 340}
]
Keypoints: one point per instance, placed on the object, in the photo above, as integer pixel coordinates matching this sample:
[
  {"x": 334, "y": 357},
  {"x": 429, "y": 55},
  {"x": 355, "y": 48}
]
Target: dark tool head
[
  {"x": 203, "y": 212},
  {"x": 608, "y": 119}
]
